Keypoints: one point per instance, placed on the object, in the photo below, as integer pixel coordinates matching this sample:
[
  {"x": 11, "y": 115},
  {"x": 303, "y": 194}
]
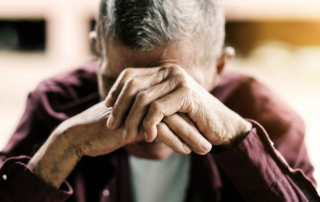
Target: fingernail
[
  {"x": 107, "y": 101},
  {"x": 145, "y": 135},
  {"x": 206, "y": 146},
  {"x": 110, "y": 121},
  {"x": 186, "y": 148},
  {"x": 124, "y": 134}
]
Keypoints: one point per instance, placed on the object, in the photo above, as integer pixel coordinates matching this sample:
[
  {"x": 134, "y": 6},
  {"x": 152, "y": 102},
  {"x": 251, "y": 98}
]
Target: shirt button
[
  {"x": 106, "y": 192},
  {"x": 4, "y": 177}
]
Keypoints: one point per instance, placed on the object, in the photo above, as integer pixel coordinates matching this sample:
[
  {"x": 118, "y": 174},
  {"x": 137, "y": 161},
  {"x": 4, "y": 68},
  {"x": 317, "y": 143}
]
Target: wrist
[
  {"x": 55, "y": 159},
  {"x": 242, "y": 128}
]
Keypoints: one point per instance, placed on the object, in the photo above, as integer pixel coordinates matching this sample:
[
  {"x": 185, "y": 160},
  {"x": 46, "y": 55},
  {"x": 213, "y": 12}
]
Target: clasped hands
[
  {"x": 167, "y": 104},
  {"x": 144, "y": 104}
]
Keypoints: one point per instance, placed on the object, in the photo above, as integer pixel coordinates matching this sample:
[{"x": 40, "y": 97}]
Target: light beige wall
[
  {"x": 68, "y": 20},
  {"x": 68, "y": 25},
  {"x": 254, "y": 10}
]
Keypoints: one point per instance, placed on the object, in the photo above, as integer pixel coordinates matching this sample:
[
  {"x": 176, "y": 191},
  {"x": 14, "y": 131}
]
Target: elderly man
[{"x": 172, "y": 127}]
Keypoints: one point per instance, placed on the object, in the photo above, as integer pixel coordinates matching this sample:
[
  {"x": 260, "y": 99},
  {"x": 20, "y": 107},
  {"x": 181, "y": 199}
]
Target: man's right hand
[
  {"x": 85, "y": 134},
  {"x": 90, "y": 136}
]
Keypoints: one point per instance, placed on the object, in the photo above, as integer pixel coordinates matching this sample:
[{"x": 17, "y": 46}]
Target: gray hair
[{"x": 145, "y": 24}]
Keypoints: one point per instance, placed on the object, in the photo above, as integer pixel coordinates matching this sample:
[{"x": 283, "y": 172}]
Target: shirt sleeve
[
  {"x": 32, "y": 130},
  {"x": 260, "y": 173},
  {"x": 19, "y": 183}
]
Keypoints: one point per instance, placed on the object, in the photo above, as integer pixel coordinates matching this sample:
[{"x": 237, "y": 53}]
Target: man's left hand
[{"x": 152, "y": 97}]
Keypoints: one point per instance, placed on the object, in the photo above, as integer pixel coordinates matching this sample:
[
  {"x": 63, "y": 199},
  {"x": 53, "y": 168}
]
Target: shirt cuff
[
  {"x": 250, "y": 164},
  {"x": 19, "y": 183}
]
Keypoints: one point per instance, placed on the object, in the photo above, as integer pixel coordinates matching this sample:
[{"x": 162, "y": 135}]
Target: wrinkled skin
[{"x": 153, "y": 88}]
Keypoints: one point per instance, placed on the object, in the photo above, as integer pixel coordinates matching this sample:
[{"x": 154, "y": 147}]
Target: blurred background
[{"x": 277, "y": 41}]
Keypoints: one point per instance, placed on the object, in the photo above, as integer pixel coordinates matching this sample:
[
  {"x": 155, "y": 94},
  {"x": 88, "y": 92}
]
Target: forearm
[
  {"x": 259, "y": 173},
  {"x": 55, "y": 160}
]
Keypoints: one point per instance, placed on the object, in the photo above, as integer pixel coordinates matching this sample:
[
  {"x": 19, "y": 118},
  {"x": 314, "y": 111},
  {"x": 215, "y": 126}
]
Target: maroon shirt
[{"x": 254, "y": 170}]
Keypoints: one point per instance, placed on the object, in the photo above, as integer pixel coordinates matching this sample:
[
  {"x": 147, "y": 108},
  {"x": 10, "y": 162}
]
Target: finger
[
  {"x": 128, "y": 94},
  {"x": 177, "y": 101},
  {"x": 138, "y": 138},
  {"x": 185, "y": 129},
  {"x": 166, "y": 136},
  {"x": 125, "y": 75},
  {"x": 142, "y": 101}
]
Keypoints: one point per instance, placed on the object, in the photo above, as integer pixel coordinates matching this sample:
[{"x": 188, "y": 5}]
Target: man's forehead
[{"x": 120, "y": 57}]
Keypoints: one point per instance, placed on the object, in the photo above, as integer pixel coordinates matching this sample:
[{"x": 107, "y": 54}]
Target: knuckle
[
  {"x": 127, "y": 72},
  {"x": 180, "y": 79},
  {"x": 142, "y": 96},
  {"x": 189, "y": 132},
  {"x": 156, "y": 107},
  {"x": 170, "y": 118},
  {"x": 147, "y": 124},
  {"x": 175, "y": 69},
  {"x": 132, "y": 83},
  {"x": 161, "y": 126}
]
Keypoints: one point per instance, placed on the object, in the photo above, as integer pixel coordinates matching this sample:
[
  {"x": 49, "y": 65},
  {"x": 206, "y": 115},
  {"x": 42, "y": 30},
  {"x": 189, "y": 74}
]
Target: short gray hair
[{"x": 145, "y": 24}]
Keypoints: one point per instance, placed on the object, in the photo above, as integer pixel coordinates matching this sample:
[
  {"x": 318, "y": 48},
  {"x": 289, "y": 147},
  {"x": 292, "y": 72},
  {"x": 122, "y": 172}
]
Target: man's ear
[
  {"x": 94, "y": 43},
  {"x": 226, "y": 55}
]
